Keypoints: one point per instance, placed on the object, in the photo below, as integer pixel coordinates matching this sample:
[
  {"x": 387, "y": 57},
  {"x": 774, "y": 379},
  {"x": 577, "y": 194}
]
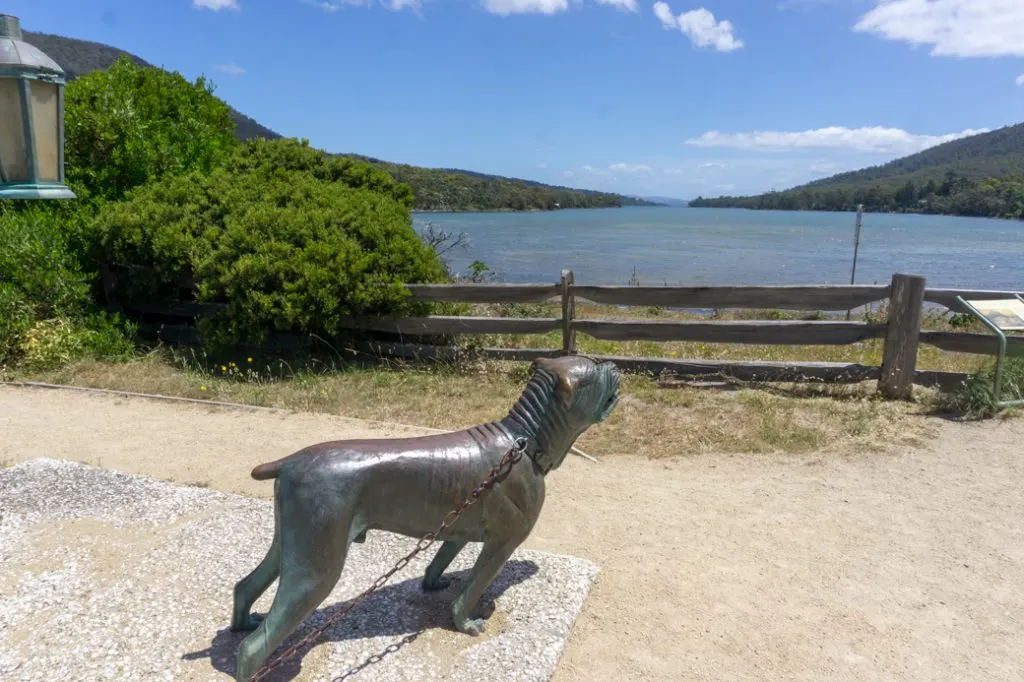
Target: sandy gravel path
[{"x": 905, "y": 566}]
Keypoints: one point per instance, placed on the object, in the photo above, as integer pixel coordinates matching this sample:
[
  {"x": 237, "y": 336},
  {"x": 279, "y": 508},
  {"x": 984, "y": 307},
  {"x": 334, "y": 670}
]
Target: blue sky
[{"x": 678, "y": 98}]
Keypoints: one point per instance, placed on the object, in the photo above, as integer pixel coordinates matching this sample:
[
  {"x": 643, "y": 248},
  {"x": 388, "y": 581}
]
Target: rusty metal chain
[{"x": 497, "y": 474}]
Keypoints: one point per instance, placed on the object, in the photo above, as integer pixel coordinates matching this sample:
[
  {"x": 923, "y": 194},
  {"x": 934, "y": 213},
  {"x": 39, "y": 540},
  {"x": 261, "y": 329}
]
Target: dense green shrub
[
  {"x": 15, "y": 319},
  {"x": 46, "y": 314},
  {"x": 280, "y": 158},
  {"x": 128, "y": 125},
  {"x": 285, "y": 250}
]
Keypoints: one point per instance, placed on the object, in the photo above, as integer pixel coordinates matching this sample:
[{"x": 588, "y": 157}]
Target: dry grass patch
[{"x": 650, "y": 421}]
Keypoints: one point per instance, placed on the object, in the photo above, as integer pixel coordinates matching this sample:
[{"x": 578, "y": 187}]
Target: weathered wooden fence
[{"x": 902, "y": 333}]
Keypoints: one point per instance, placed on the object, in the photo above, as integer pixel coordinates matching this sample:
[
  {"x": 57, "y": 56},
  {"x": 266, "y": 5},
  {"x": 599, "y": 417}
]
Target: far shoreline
[{"x": 417, "y": 211}]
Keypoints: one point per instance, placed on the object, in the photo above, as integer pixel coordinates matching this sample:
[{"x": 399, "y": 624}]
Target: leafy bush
[
  {"x": 280, "y": 158},
  {"x": 285, "y": 250},
  {"x": 130, "y": 124},
  {"x": 45, "y": 303},
  {"x": 15, "y": 319},
  {"x": 35, "y": 258}
]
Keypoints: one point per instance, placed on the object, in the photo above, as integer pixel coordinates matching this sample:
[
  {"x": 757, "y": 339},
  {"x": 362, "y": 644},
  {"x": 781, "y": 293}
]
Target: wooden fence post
[
  {"x": 568, "y": 313},
  {"x": 899, "y": 359}
]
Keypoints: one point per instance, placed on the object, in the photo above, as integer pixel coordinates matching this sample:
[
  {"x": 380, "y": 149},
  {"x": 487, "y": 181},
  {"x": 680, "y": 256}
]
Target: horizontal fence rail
[
  {"x": 831, "y": 372},
  {"x": 976, "y": 344},
  {"x": 484, "y": 293},
  {"x": 442, "y": 325},
  {"x": 831, "y": 298},
  {"x": 947, "y": 297},
  {"x": 754, "y": 332}
]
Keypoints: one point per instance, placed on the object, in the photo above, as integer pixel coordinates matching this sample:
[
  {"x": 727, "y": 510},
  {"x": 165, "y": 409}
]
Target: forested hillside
[
  {"x": 459, "y": 190},
  {"x": 981, "y": 175},
  {"x": 434, "y": 189}
]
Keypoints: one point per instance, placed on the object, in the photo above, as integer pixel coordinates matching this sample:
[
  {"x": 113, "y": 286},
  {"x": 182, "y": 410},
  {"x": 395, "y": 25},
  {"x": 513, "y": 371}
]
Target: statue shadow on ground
[{"x": 400, "y": 609}]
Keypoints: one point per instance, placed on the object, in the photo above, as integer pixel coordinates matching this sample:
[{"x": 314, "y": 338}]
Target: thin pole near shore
[{"x": 856, "y": 247}]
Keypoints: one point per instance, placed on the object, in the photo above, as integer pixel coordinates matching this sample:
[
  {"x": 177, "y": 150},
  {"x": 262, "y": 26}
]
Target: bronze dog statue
[{"x": 329, "y": 495}]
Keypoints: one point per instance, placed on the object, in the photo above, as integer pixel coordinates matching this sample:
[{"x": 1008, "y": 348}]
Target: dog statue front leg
[
  {"x": 487, "y": 567},
  {"x": 434, "y": 579}
]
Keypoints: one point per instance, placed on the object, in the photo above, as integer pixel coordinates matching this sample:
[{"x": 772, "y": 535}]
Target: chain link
[{"x": 497, "y": 475}]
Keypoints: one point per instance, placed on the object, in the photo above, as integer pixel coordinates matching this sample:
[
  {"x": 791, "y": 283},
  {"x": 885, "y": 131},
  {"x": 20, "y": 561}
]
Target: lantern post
[{"x": 31, "y": 119}]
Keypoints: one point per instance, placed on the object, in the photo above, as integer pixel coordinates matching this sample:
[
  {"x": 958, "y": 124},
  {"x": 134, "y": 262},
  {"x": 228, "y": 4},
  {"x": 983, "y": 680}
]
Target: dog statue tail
[{"x": 264, "y": 472}]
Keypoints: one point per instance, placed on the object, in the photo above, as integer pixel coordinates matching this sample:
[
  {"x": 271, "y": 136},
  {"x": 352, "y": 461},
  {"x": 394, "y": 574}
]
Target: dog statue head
[{"x": 564, "y": 397}]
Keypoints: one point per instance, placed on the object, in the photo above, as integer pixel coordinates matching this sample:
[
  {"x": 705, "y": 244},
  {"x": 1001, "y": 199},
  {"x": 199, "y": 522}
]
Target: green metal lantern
[{"x": 31, "y": 119}]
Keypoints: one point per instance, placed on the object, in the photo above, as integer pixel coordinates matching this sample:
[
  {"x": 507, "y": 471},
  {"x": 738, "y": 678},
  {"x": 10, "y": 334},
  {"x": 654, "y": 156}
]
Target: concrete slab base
[{"x": 114, "y": 576}]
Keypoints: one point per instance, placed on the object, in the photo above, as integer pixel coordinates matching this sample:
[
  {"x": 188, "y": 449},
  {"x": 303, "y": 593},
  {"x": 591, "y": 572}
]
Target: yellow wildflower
[{"x": 202, "y": 388}]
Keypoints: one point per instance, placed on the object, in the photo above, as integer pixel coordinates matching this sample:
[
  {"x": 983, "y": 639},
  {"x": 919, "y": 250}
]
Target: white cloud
[
  {"x": 875, "y": 139},
  {"x": 568, "y": 173},
  {"x": 216, "y": 5},
  {"x": 712, "y": 164},
  {"x": 672, "y": 171},
  {"x": 630, "y": 167},
  {"x": 1020, "y": 80},
  {"x": 700, "y": 26},
  {"x": 959, "y": 28},
  {"x": 664, "y": 14},
  {"x": 624, "y": 5},
  {"x": 231, "y": 69},
  {"x": 506, "y": 7}
]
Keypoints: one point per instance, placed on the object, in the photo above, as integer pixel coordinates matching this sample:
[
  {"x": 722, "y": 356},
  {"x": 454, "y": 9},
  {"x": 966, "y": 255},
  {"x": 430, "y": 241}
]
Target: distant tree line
[
  {"x": 438, "y": 189},
  {"x": 953, "y": 195}
]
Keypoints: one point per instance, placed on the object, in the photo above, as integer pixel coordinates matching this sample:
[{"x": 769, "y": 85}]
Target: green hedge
[
  {"x": 46, "y": 313},
  {"x": 286, "y": 250}
]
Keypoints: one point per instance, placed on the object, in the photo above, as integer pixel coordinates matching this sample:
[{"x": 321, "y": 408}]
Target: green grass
[{"x": 974, "y": 399}]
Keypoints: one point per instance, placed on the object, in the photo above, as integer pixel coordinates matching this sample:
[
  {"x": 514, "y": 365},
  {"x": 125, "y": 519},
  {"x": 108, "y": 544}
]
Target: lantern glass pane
[
  {"x": 46, "y": 126},
  {"x": 13, "y": 160}
]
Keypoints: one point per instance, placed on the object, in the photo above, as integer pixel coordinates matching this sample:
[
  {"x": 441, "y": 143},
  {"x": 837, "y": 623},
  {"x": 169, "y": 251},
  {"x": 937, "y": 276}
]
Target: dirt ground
[{"x": 874, "y": 567}]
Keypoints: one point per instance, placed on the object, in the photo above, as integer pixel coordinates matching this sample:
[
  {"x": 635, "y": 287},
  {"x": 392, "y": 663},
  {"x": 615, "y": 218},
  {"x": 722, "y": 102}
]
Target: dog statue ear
[
  {"x": 565, "y": 389},
  {"x": 563, "y": 383}
]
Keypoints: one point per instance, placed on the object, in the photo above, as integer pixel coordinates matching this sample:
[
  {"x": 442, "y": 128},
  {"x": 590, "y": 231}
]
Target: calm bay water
[{"x": 694, "y": 246}]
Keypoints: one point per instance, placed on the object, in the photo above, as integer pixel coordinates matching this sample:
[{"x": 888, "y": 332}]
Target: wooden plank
[
  {"x": 436, "y": 325},
  {"x": 568, "y": 312},
  {"x": 939, "y": 379},
  {"x": 899, "y": 358},
  {"x": 838, "y": 297},
  {"x": 947, "y": 297},
  {"x": 744, "y": 371},
  {"x": 484, "y": 293},
  {"x": 415, "y": 351},
  {"x": 980, "y": 344},
  {"x": 190, "y": 309},
  {"x": 768, "y": 332},
  {"x": 185, "y": 335},
  {"x": 747, "y": 371}
]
